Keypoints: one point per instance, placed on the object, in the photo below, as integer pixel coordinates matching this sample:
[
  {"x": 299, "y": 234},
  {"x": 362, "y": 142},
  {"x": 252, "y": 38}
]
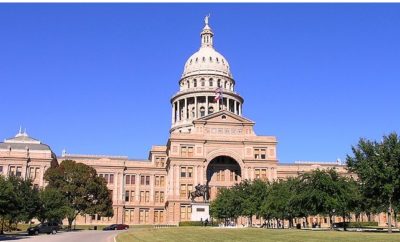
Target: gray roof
[{"x": 22, "y": 146}]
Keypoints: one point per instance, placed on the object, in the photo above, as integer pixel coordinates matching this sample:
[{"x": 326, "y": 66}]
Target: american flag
[{"x": 218, "y": 94}]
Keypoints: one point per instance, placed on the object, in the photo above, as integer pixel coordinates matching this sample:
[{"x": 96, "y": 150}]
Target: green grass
[{"x": 193, "y": 234}]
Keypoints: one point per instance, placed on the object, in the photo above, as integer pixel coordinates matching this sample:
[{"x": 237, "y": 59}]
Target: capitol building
[{"x": 210, "y": 142}]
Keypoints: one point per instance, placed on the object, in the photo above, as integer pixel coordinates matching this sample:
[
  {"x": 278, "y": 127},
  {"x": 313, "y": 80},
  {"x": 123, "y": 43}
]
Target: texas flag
[{"x": 218, "y": 94}]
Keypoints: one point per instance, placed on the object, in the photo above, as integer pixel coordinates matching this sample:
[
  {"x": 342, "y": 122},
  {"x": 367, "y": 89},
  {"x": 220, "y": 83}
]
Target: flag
[{"x": 218, "y": 94}]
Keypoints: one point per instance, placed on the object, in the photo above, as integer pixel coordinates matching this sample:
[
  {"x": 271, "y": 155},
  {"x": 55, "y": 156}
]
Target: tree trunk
[
  {"x": 395, "y": 218},
  {"x": 390, "y": 216},
  {"x": 2, "y": 226},
  {"x": 330, "y": 221},
  {"x": 344, "y": 222}
]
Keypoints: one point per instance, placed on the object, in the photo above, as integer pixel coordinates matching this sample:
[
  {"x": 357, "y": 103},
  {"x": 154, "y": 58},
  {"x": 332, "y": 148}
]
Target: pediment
[{"x": 225, "y": 117}]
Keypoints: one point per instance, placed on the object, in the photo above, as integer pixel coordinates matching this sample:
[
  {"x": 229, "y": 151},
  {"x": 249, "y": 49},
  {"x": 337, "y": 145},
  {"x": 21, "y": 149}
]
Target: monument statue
[{"x": 200, "y": 191}]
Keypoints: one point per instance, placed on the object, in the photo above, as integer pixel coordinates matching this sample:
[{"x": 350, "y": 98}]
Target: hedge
[
  {"x": 356, "y": 224},
  {"x": 197, "y": 223}
]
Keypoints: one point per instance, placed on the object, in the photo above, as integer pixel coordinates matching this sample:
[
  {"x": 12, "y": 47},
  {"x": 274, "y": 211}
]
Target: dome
[{"x": 206, "y": 60}]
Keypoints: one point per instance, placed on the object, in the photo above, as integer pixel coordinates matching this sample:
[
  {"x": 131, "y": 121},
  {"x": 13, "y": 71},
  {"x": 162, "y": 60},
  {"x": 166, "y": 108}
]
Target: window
[
  {"x": 159, "y": 181},
  {"x": 210, "y": 110},
  {"x": 158, "y": 216},
  {"x": 130, "y": 179},
  {"x": 1, "y": 169},
  {"x": 203, "y": 83},
  {"x": 160, "y": 161},
  {"x": 186, "y": 212},
  {"x": 188, "y": 84},
  {"x": 221, "y": 175},
  {"x": 187, "y": 151},
  {"x": 141, "y": 196},
  {"x": 132, "y": 196},
  {"x": 33, "y": 172},
  {"x": 260, "y": 174},
  {"x": 159, "y": 196},
  {"x": 185, "y": 190},
  {"x": 260, "y": 153},
  {"x": 219, "y": 83},
  {"x": 187, "y": 171},
  {"x": 129, "y": 215},
  {"x": 15, "y": 171},
  {"x": 143, "y": 216},
  {"x": 126, "y": 196},
  {"x": 202, "y": 111},
  {"x": 145, "y": 180},
  {"x": 108, "y": 177},
  {"x": 193, "y": 112},
  {"x": 211, "y": 83},
  {"x": 147, "y": 197},
  {"x": 183, "y": 171},
  {"x": 194, "y": 83}
]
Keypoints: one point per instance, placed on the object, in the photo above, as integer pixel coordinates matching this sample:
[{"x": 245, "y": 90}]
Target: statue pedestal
[{"x": 200, "y": 211}]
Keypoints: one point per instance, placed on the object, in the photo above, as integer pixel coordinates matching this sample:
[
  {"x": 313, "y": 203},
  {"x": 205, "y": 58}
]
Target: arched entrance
[{"x": 222, "y": 171}]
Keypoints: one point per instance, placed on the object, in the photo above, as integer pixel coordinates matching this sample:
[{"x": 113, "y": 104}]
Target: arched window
[
  {"x": 225, "y": 84},
  {"x": 210, "y": 110},
  {"x": 194, "y": 83},
  {"x": 211, "y": 82},
  {"x": 210, "y": 59},
  {"x": 188, "y": 84},
  {"x": 202, "y": 111},
  {"x": 204, "y": 59},
  {"x": 217, "y": 60},
  {"x": 203, "y": 83},
  {"x": 197, "y": 59},
  {"x": 219, "y": 83}
]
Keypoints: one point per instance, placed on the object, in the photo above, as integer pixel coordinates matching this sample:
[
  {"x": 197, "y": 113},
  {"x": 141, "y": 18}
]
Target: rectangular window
[
  {"x": 158, "y": 216},
  {"x": 126, "y": 196},
  {"x": 183, "y": 191},
  {"x": 257, "y": 173},
  {"x": 157, "y": 181},
  {"x": 187, "y": 151},
  {"x": 147, "y": 196},
  {"x": 142, "y": 180},
  {"x": 190, "y": 171},
  {"x": 143, "y": 216},
  {"x": 222, "y": 175},
  {"x": 186, "y": 212},
  {"x": 183, "y": 171},
  {"x": 111, "y": 179},
  {"x": 157, "y": 196},
  {"x": 263, "y": 174},
  {"x": 127, "y": 179},
  {"x": 19, "y": 171},
  {"x": 260, "y": 153},
  {"x": 129, "y": 215},
  {"x": 162, "y": 181},
  {"x": 161, "y": 197},
  {"x": 108, "y": 177},
  {"x": 147, "y": 180}
]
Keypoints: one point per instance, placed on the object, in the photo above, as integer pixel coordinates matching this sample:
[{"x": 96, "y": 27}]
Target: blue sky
[{"x": 97, "y": 78}]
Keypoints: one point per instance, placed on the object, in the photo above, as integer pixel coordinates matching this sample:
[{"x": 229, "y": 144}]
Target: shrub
[
  {"x": 356, "y": 224},
  {"x": 197, "y": 223}
]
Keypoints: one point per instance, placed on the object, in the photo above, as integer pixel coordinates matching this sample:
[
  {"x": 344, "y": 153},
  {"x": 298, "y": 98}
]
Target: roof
[{"x": 22, "y": 141}]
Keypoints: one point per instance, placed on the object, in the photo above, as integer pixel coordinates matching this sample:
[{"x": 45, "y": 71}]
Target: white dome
[{"x": 206, "y": 61}]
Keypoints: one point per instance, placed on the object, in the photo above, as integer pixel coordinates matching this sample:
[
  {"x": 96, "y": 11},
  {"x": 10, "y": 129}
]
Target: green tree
[
  {"x": 377, "y": 165},
  {"x": 323, "y": 192},
  {"x": 53, "y": 205},
  {"x": 85, "y": 192},
  {"x": 226, "y": 205},
  {"x": 7, "y": 200}
]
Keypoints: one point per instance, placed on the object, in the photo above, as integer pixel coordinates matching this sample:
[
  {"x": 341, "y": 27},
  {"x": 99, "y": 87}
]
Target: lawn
[{"x": 245, "y": 234}]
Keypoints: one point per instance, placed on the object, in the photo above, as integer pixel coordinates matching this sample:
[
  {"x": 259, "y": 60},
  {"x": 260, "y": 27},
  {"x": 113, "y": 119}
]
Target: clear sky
[{"x": 98, "y": 78}]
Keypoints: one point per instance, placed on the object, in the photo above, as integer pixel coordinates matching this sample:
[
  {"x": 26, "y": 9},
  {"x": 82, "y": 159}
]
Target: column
[
  {"x": 206, "y": 105},
  {"x": 235, "y": 106},
  {"x": 196, "y": 111},
  {"x": 195, "y": 175},
  {"x": 227, "y": 104},
  {"x": 186, "y": 110},
  {"x": 137, "y": 190},
  {"x": 179, "y": 111},
  {"x": 240, "y": 109}
]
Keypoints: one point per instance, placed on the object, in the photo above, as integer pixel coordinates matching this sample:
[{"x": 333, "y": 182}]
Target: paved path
[{"x": 77, "y": 236}]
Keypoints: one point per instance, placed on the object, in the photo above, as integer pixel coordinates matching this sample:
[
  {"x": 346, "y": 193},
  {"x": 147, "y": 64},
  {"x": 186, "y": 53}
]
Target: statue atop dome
[{"x": 206, "y": 19}]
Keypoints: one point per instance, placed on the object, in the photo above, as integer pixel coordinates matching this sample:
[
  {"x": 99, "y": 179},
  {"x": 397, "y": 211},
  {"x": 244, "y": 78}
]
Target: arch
[{"x": 224, "y": 152}]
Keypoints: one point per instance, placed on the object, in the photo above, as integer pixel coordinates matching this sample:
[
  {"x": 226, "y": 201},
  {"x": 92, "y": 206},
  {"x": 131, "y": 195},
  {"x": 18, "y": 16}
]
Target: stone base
[{"x": 200, "y": 211}]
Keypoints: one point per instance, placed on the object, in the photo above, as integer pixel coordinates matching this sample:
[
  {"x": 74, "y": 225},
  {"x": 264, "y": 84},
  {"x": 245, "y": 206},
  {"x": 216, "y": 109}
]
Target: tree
[
  {"x": 84, "y": 191},
  {"x": 53, "y": 205},
  {"x": 323, "y": 192},
  {"x": 7, "y": 198},
  {"x": 377, "y": 165},
  {"x": 226, "y": 205}
]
